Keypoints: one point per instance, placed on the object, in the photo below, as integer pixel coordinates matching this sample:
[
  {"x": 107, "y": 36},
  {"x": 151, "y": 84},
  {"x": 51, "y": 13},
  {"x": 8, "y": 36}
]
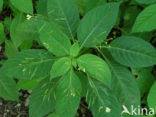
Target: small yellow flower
[
  {"x": 28, "y": 17},
  {"x": 108, "y": 110}
]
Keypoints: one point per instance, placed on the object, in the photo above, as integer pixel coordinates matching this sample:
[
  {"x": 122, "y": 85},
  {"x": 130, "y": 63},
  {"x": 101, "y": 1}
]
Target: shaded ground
[{"x": 15, "y": 109}]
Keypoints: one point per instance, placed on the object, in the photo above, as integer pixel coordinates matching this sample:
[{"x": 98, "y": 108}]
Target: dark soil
[{"x": 15, "y": 109}]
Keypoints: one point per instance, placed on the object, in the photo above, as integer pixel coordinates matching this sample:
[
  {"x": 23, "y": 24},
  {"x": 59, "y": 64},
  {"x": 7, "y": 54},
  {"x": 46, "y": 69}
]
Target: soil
[{"x": 15, "y": 109}]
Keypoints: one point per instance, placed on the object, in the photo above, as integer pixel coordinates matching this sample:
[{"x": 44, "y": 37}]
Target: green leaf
[
  {"x": 145, "y": 21},
  {"x": 27, "y": 30},
  {"x": 2, "y": 34},
  {"x": 1, "y": 5},
  {"x": 60, "y": 67},
  {"x": 146, "y": 1},
  {"x": 54, "y": 40},
  {"x": 42, "y": 7},
  {"x": 96, "y": 24},
  {"x": 81, "y": 6},
  {"x": 68, "y": 94},
  {"x": 144, "y": 79},
  {"x": 95, "y": 67},
  {"x": 42, "y": 100},
  {"x": 84, "y": 81},
  {"x": 101, "y": 101},
  {"x": 94, "y": 3},
  {"x": 123, "y": 83},
  {"x": 53, "y": 115},
  {"x": 7, "y": 23},
  {"x": 8, "y": 89},
  {"x": 28, "y": 64},
  {"x": 28, "y": 84},
  {"x": 129, "y": 17},
  {"x": 152, "y": 96},
  {"x": 10, "y": 48},
  {"x": 25, "y": 6},
  {"x": 65, "y": 14},
  {"x": 13, "y": 29},
  {"x": 86, "y": 5},
  {"x": 74, "y": 50},
  {"x": 27, "y": 44},
  {"x": 133, "y": 52}
]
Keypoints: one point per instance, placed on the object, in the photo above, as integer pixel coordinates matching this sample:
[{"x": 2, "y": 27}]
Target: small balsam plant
[{"x": 77, "y": 60}]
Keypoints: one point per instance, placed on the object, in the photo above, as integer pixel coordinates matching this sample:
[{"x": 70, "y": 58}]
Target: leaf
[
  {"x": 146, "y": 1},
  {"x": 10, "y": 48},
  {"x": 129, "y": 18},
  {"x": 94, "y": 3},
  {"x": 28, "y": 84},
  {"x": 27, "y": 44},
  {"x": 144, "y": 79},
  {"x": 123, "y": 83},
  {"x": 42, "y": 7},
  {"x": 101, "y": 101},
  {"x": 13, "y": 30},
  {"x": 27, "y": 30},
  {"x": 28, "y": 64},
  {"x": 42, "y": 100},
  {"x": 8, "y": 89},
  {"x": 95, "y": 67},
  {"x": 133, "y": 52},
  {"x": 25, "y": 6},
  {"x": 54, "y": 40},
  {"x": 60, "y": 67},
  {"x": 1, "y": 5},
  {"x": 145, "y": 21},
  {"x": 81, "y": 4},
  {"x": 68, "y": 94},
  {"x": 74, "y": 50},
  {"x": 65, "y": 14},
  {"x": 152, "y": 96},
  {"x": 53, "y": 115},
  {"x": 84, "y": 81},
  {"x": 96, "y": 24},
  {"x": 2, "y": 34},
  {"x": 7, "y": 23},
  {"x": 86, "y": 5}
]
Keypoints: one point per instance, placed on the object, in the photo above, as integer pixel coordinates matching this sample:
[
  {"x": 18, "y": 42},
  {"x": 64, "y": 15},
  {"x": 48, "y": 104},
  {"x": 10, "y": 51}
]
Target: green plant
[{"x": 78, "y": 59}]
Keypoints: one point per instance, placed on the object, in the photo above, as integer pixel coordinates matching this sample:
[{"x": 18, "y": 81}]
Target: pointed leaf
[
  {"x": 27, "y": 30},
  {"x": 145, "y": 21},
  {"x": 60, "y": 67},
  {"x": 54, "y": 40},
  {"x": 28, "y": 64},
  {"x": 13, "y": 29},
  {"x": 95, "y": 67},
  {"x": 74, "y": 50},
  {"x": 28, "y": 84},
  {"x": 42, "y": 100},
  {"x": 42, "y": 7},
  {"x": 96, "y": 24},
  {"x": 152, "y": 96},
  {"x": 146, "y": 1},
  {"x": 2, "y": 34},
  {"x": 101, "y": 101},
  {"x": 123, "y": 83},
  {"x": 25, "y": 6},
  {"x": 144, "y": 79},
  {"x": 65, "y": 14},
  {"x": 68, "y": 94},
  {"x": 133, "y": 52},
  {"x": 8, "y": 89},
  {"x": 10, "y": 48}
]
